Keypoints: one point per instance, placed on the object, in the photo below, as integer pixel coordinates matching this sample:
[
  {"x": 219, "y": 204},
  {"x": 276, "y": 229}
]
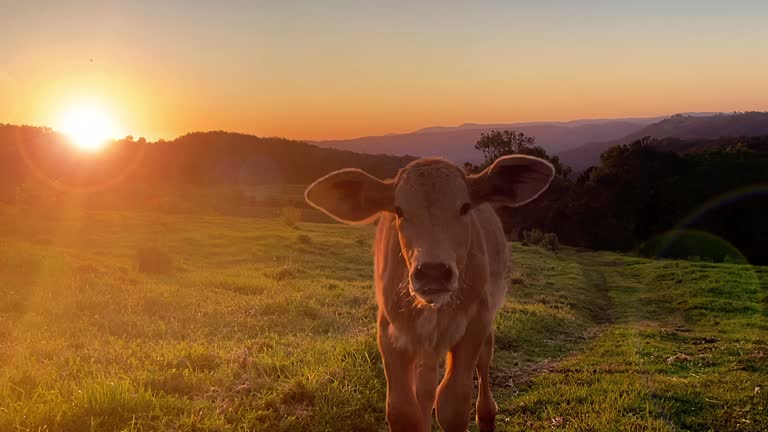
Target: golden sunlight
[{"x": 89, "y": 126}]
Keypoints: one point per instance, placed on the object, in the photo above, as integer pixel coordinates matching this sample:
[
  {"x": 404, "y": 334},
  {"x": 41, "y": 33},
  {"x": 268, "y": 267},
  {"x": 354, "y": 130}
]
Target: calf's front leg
[
  {"x": 485, "y": 408},
  {"x": 403, "y": 414},
  {"x": 454, "y": 396},
  {"x": 426, "y": 383}
]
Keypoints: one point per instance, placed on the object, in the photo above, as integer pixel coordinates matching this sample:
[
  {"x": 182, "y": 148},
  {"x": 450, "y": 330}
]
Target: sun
[{"x": 89, "y": 126}]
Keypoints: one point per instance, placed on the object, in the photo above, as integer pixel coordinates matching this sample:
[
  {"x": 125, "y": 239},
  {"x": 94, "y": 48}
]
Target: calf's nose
[{"x": 433, "y": 272}]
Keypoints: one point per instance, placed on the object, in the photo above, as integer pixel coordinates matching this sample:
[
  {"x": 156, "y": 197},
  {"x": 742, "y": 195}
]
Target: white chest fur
[{"x": 432, "y": 330}]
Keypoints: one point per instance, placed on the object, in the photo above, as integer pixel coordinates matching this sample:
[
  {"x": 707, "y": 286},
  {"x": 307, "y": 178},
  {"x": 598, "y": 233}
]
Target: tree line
[
  {"x": 35, "y": 160},
  {"x": 653, "y": 195}
]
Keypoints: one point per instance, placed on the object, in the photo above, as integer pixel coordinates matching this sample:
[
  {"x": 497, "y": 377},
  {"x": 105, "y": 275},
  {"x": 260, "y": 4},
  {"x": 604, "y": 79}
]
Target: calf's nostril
[
  {"x": 435, "y": 272},
  {"x": 447, "y": 274},
  {"x": 419, "y": 274}
]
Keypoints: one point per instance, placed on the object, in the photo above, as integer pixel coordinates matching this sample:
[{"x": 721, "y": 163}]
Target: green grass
[{"x": 259, "y": 326}]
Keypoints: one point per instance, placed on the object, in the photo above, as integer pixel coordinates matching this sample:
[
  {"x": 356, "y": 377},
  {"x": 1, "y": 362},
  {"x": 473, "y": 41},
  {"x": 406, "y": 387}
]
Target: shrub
[
  {"x": 154, "y": 260},
  {"x": 537, "y": 238},
  {"x": 551, "y": 242},
  {"x": 533, "y": 237},
  {"x": 304, "y": 239}
]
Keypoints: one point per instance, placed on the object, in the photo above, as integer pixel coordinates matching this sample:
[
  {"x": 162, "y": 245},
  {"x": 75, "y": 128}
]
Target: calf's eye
[
  {"x": 399, "y": 212},
  {"x": 465, "y": 209}
]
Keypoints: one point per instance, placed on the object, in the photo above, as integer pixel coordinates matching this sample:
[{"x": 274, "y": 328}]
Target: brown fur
[
  {"x": 416, "y": 328},
  {"x": 426, "y": 334}
]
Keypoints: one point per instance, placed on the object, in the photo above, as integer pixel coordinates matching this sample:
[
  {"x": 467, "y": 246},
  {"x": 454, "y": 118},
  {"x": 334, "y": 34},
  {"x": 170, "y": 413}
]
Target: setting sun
[{"x": 89, "y": 126}]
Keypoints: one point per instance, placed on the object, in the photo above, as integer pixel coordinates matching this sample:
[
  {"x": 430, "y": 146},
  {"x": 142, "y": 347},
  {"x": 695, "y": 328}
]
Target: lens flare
[
  {"x": 683, "y": 240},
  {"x": 687, "y": 244},
  {"x": 722, "y": 200}
]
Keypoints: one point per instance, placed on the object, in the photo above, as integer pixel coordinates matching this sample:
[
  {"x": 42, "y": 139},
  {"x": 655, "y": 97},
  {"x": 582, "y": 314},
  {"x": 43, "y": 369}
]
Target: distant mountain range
[
  {"x": 681, "y": 126},
  {"x": 456, "y": 143},
  {"x": 32, "y": 154},
  {"x": 571, "y": 123}
]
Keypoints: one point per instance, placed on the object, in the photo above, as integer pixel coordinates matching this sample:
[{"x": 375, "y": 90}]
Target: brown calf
[{"x": 440, "y": 261}]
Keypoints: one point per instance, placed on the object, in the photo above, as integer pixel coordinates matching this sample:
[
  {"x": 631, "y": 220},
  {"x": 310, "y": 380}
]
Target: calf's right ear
[{"x": 351, "y": 196}]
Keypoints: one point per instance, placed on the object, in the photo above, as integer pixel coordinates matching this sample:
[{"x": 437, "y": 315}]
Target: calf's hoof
[
  {"x": 486, "y": 424},
  {"x": 404, "y": 422}
]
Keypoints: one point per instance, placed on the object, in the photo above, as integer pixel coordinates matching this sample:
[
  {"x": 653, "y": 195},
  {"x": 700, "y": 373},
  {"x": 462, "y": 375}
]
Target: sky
[{"x": 341, "y": 69}]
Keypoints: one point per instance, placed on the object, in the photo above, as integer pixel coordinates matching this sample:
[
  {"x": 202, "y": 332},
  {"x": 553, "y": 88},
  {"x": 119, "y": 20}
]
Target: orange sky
[{"x": 343, "y": 69}]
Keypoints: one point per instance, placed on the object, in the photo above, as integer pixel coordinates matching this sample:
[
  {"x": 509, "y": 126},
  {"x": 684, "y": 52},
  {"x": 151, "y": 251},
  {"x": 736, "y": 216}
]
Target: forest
[{"x": 669, "y": 198}]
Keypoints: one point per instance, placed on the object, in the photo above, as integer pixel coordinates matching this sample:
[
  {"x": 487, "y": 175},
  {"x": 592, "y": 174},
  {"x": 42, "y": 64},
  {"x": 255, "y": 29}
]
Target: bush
[
  {"x": 551, "y": 242},
  {"x": 533, "y": 237},
  {"x": 154, "y": 260},
  {"x": 304, "y": 239},
  {"x": 537, "y": 238}
]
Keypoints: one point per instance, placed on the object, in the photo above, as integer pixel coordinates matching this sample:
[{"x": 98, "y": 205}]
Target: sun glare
[{"x": 88, "y": 126}]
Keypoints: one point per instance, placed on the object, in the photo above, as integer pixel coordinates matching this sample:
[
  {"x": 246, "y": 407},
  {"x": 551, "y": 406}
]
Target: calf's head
[{"x": 433, "y": 201}]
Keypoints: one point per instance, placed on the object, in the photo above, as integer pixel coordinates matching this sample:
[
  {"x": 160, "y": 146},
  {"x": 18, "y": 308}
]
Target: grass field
[{"x": 258, "y": 326}]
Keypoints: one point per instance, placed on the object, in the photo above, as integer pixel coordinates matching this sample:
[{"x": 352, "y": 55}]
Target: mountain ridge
[
  {"x": 683, "y": 126},
  {"x": 456, "y": 143}
]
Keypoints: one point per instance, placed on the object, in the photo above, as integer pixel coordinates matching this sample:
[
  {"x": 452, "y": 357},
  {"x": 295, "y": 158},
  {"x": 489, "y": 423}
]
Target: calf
[{"x": 440, "y": 259}]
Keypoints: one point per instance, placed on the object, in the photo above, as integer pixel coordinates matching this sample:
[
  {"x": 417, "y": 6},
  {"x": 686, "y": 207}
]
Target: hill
[
  {"x": 457, "y": 143},
  {"x": 227, "y": 157},
  {"x": 33, "y": 157},
  {"x": 677, "y": 126},
  {"x": 571, "y": 123},
  {"x": 259, "y": 326}
]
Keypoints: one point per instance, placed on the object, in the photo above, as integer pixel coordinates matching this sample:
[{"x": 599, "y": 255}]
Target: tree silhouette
[{"x": 496, "y": 144}]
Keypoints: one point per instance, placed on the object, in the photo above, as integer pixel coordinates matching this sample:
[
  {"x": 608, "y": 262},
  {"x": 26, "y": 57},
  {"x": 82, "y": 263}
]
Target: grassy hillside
[{"x": 257, "y": 326}]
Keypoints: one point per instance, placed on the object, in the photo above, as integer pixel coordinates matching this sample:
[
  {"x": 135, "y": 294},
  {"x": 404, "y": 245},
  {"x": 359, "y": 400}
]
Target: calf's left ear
[
  {"x": 511, "y": 181},
  {"x": 351, "y": 196}
]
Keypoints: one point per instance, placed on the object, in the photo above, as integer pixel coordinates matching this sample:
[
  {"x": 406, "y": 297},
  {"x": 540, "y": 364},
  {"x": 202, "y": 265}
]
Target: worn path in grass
[
  {"x": 682, "y": 346},
  {"x": 261, "y": 326}
]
